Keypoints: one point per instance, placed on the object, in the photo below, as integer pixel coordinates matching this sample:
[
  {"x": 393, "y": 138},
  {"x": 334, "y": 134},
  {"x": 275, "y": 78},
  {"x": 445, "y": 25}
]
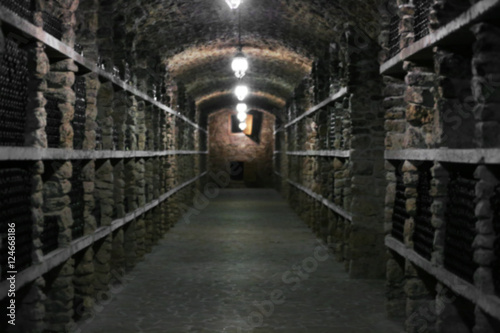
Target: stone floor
[{"x": 247, "y": 263}]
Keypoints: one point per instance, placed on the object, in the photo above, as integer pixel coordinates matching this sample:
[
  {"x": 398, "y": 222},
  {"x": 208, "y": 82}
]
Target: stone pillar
[
  {"x": 31, "y": 308},
  {"x": 483, "y": 245},
  {"x": 485, "y": 84},
  {"x": 141, "y": 125},
  {"x": 421, "y": 299},
  {"x": 439, "y": 194},
  {"x": 38, "y": 65},
  {"x": 105, "y": 115},
  {"x": 131, "y": 122},
  {"x": 395, "y": 286},
  {"x": 102, "y": 268},
  {"x": 88, "y": 178},
  {"x": 121, "y": 106},
  {"x": 60, "y": 297},
  {"x": 60, "y": 81},
  {"x": 83, "y": 282},
  {"x": 92, "y": 88},
  {"x": 140, "y": 222},
  {"x": 119, "y": 188},
  {"x": 395, "y": 112},
  {"x": 420, "y": 116},
  {"x": 104, "y": 190},
  {"x": 410, "y": 178},
  {"x": 118, "y": 255},
  {"x": 56, "y": 199},
  {"x": 87, "y": 17},
  {"x": 453, "y": 122}
]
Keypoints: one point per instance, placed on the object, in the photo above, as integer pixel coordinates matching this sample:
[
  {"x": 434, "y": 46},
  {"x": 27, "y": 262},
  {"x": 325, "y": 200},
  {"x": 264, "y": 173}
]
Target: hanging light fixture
[
  {"x": 241, "y": 92},
  {"x": 239, "y": 65},
  {"x": 242, "y": 116},
  {"x": 233, "y": 4},
  {"x": 241, "y": 107},
  {"x": 243, "y": 126},
  {"x": 240, "y": 62}
]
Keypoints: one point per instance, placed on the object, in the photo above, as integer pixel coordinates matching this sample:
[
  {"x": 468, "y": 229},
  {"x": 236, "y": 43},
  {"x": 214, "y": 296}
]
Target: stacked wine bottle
[
  {"x": 15, "y": 191},
  {"x": 22, "y": 8},
  {"x": 78, "y": 122},
  {"x": 52, "y": 25},
  {"x": 54, "y": 117},
  {"x": 77, "y": 203},
  {"x": 423, "y": 236},
  {"x": 460, "y": 227},
  {"x": 13, "y": 94}
]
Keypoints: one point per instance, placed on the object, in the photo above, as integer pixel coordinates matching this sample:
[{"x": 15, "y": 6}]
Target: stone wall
[
  {"x": 226, "y": 147},
  {"x": 349, "y": 132},
  {"x": 439, "y": 208},
  {"x": 95, "y": 213}
]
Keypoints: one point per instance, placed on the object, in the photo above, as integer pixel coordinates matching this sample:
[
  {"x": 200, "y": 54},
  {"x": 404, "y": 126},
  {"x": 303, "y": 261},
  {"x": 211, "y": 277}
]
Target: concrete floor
[{"x": 247, "y": 263}]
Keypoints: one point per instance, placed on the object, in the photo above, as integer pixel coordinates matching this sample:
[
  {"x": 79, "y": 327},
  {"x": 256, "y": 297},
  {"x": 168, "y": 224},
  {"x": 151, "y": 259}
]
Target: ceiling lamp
[
  {"x": 243, "y": 126},
  {"x": 242, "y": 116},
  {"x": 239, "y": 65},
  {"x": 241, "y": 92},
  {"x": 241, "y": 107},
  {"x": 233, "y": 4}
]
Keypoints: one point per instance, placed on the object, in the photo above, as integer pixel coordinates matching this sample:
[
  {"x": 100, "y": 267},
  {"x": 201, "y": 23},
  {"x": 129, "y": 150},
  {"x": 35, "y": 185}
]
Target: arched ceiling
[{"x": 197, "y": 39}]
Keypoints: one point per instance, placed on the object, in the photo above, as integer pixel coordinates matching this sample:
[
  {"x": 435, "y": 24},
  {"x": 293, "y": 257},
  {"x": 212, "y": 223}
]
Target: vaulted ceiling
[{"x": 197, "y": 39}]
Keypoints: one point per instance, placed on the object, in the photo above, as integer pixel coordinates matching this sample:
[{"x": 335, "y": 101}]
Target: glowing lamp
[
  {"x": 241, "y": 107},
  {"x": 243, "y": 126},
  {"x": 233, "y": 4},
  {"x": 242, "y": 116},
  {"x": 239, "y": 65},
  {"x": 241, "y": 92}
]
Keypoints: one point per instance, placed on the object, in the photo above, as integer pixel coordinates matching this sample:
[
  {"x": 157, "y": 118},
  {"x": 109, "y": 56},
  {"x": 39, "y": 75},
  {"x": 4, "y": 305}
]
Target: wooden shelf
[
  {"x": 38, "y": 154},
  {"x": 455, "y": 32},
  {"x": 328, "y": 153},
  {"x": 469, "y": 156},
  {"x": 58, "y": 49},
  {"x": 342, "y": 212},
  {"x": 341, "y": 93},
  {"x": 489, "y": 303},
  {"x": 57, "y": 257}
]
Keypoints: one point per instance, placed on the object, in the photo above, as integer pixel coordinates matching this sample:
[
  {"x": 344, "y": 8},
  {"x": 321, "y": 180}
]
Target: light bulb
[
  {"x": 241, "y": 107},
  {"x": 243, "y": 126},
  {"x": 241, "y": 92},
  {"x": 242, "y": 116},
  {"x": 239, "y": 65},
  {"x": 233, "y": 4}
]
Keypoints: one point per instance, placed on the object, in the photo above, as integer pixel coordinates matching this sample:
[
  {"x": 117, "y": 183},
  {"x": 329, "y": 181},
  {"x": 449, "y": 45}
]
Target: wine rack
[
  {"x": 77, "y": 203},
  {"x": 52, "y": 25},
  {"x": 15, "y": 191},
  {"x": 399, "y": 214},
  {"x": 394, "y": 36},
  {"x": 22, "y": 8},
  {"x": 50, "y": 234},
  {"x": 423, "y": 236},
  {"x": 54, "y": 117},
  {"x": 115, "y": 137},
  {"x": 13, "y": 94},
  {"x": 421, "y": 25},
  {"x": 80, "y": 109},
  {"x": 98, "y": 138},
  {"x": 495, "y": 204},
  {"x": 460, "y": 226}
]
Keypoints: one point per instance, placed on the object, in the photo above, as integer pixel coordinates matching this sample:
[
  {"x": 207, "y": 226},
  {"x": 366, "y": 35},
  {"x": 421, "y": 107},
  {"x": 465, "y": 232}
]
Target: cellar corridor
[
  {"x": 362, "y": 132},
  {"x": 246, "y": 263}
]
